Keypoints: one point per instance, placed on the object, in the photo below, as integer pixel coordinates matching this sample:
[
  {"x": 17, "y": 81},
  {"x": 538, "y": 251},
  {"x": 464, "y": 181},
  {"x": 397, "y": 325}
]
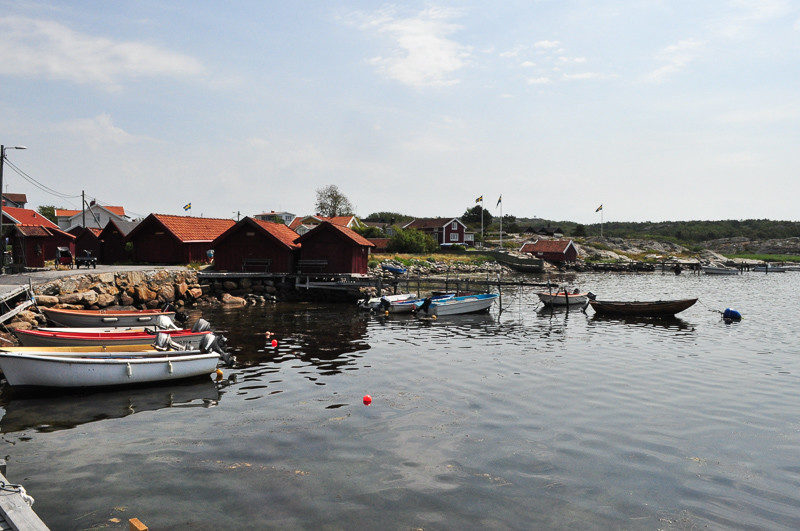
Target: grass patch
[{"x": 765, "y": 257}]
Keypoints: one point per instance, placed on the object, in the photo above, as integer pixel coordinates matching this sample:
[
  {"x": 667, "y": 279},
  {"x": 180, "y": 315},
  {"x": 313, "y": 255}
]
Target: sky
[{"x": 658, "y": 110}]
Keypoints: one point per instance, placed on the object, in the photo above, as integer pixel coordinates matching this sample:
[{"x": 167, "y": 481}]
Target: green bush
[
  {"x": 373, "y": 263},
  {"x": 412, "y": 241},
  {"x": 458, "y": 247}
]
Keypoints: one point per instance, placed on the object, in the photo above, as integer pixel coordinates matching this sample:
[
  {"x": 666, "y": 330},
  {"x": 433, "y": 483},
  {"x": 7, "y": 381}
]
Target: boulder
[
  {"x": 180, "y": 289},
  {"x": 19, "y": 325},
  {"x": 46, "y": 300},
  {"x": 69, "y": 306},
  {"x": 105, "y": 278},
  {"x": 28, "y": 316},
  {"x": 85, "y": 298},
  {"x": 155, "y": 303},
  {"x": 229, "y": 285},
  {"x": 195, "y": 293},
  {"x": 144, "y": 294},
  {"x": 126, "y": 300},
  {"x": 166, "y": 293},
  {"x": 229, "y": 299},
  {"x": 105, "y": 299},
  {"x": 245, "y": 283}
]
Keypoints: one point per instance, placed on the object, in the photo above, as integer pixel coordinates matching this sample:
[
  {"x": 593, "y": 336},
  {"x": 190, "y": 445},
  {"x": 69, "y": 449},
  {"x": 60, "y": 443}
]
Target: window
[
  {"x": 453, "y": 236},
  {"x": 454, "y": 225}
]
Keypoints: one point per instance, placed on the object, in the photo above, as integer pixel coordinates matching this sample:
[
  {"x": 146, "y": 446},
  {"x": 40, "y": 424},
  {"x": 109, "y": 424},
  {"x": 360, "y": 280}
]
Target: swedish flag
[
  {"x": 479, "y": 200},
  {"x": 599, "y": 208},
  {"x": 187, "y": 206}
]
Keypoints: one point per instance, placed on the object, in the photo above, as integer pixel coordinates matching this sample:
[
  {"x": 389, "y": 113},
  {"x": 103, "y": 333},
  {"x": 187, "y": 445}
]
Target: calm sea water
[{"x": 515, "y": 420}]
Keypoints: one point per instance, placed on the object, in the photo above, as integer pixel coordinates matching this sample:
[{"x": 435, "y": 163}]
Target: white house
[
  {"x": 285, "y": 217},
  {"x": 97, "y": 216}
]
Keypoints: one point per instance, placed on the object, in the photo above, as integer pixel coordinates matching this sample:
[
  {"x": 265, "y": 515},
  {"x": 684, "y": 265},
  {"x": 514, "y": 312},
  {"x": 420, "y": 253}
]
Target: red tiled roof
[
  {"x": 26, "y": 216},
  {"x": 118, "y": 210},
  {"x": 380, "y": 243},
  {"x": 279, "y": 231},
  {"x": 429, "y": 223},
  {"x": 188, "y": 228},
  {"x": 63, "y": 212},
  {"x": 349, "y": 233},
  {"x": 546, "y": 246}
]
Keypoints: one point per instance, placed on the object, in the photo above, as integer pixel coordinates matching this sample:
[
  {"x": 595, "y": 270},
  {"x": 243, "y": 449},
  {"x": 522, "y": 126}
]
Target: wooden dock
[
  {"x": 15, "y": 513},
  {"x": 7, "y": 297}
]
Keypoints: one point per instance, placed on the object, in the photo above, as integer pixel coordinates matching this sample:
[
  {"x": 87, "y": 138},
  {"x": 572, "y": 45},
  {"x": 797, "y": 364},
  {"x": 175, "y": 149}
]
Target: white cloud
[
  {"x": 527, "y": 64},
  {"x": 425, "y": 55},
  {"x": 539, "y": 81},
  {"x": 43, "y": 48},
  {"x": 546, "y": 45},
  {"x": 576, "y": 60},
  {"x": 586, "y": 75},
  {"x": 98, "y": 132},
  {"x": 677, "y": 57}
]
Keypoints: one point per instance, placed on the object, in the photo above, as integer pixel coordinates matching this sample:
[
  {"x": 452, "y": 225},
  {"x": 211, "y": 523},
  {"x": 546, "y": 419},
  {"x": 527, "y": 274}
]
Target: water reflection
[
  {"x": 675, "y": 323},
  {"x": 62, "y": 411}
]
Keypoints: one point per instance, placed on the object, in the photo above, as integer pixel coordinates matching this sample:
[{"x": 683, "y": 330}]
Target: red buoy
[
  {"x": 367, "y": 400},
  {"x": 274, "y": 343}
]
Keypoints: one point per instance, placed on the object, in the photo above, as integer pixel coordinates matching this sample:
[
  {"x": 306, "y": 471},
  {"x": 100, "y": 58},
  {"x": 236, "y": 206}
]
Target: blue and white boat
[
  {"x": 395, "y": 270},
  {"x": 457, "y": 305},
  {"x": 409, "y": 305}
]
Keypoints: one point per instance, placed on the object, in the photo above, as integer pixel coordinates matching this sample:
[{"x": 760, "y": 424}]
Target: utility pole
[
  {"x": 83, "y": 208},
  {"x": 3, "y": 243}
]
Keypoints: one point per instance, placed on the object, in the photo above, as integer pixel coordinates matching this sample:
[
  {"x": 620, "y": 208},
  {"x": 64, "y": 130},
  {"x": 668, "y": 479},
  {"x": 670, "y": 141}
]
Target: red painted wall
[
  {"x": 343, "y": 254},
  {"x": 249, "y": 242},
  {"x": 88, "y": 241},
  {"x": 113, "y": 246}
]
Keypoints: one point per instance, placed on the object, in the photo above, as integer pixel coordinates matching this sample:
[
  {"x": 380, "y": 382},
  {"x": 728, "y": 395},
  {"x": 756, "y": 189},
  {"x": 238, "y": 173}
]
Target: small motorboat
[
  {"x": 457, "y": 305},
  {"x": 410, "y": 305},
  {"x": 385, "y": 302},
  {"x": 711, "y": 270},
  {"x": 395, "y": 270},
  {"x": 108, "y": 366},
  {"x": 70, "y": 337},
  {"x": 104, "y": 318},
  {"x": 769, "y": 268},
  {"x": 564, "y": 298},
  {"x": 641, "y": 308}
]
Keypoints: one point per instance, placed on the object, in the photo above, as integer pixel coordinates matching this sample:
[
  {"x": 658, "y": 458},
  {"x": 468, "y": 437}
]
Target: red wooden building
[
  {"x": 87, "y": 239},
  {"x": 34, "y": 238},
  {"x": 552, "y": 250},
  {"x": 329, "y": 248},
  {"x": 256, "y": 245},
  {"x": 113, "y": 238},
  {"x": 446, "y": 231},
  {"x": 167, "y": 239}
]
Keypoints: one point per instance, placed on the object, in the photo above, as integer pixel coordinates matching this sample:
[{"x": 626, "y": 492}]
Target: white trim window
[
  {"x": 453, "y": 236},
  {"x": 454, "y": 225}
]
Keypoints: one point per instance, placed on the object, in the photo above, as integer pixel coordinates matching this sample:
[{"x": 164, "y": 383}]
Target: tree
[
  {"x": 412, "y": 241},
  {"x": 369, "y": 232},
  {"x": 389, "y": 217},
  {"x": 48, "y": 211},
  {"x": 580, "y": 230},
  {"x": 331, "y": 202},
  {"x": 473, "y": 216}
]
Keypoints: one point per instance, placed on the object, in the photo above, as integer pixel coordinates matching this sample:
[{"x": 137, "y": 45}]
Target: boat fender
[
  {"x": 731, "y": 315},
  {"x": 128, "y": 370},
  {"x": 169, "y": 366}
]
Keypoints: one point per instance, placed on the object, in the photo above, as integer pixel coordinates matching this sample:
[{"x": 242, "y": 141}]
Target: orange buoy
[
  {"x": 367, "y": 400},
  {"x": 274, "y": 343},
  {"x": 219, "y": 374}
]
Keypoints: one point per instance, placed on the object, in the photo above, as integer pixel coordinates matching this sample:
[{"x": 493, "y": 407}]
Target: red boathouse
[
  {"x": 256, "y": 245},
  {"x": 167, "y": 239},
  {"x": 329, "y": 248},
  {"x": 552, "y": 250}
]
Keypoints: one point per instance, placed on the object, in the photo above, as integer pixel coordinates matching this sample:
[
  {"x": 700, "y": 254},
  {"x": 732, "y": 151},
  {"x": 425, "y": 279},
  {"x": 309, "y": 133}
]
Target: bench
[
  {"x": 260, "y": 264},
  {"x": 306, "y": 266}
]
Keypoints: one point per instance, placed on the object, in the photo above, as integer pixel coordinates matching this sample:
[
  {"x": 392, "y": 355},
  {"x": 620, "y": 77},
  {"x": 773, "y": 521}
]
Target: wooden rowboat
[
  {"x": 642, "y": 308},
  {"x": 108, "y": 318},
  {"x": 563, "y": 299}
]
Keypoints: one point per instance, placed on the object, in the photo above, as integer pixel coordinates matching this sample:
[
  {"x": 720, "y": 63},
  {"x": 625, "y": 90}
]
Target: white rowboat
[
  {"x": 563, "y": 299},
  {"x": 458, "y": 305},
  {"x": 708, "y": 270}
]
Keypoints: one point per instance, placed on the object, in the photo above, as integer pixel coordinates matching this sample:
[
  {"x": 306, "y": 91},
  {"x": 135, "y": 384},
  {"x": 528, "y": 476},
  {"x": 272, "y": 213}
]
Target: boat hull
[
  {"x": 62, "y": 371},
  {"x": 562, "y": 299},
  {"x": 374, "y": 302},
  {"x": 720, "y": 271},
  {"x": 642, "y": 308},
  {"x": 462, "y": 305},
  {"x": 40, "y": 338},
  {"x": 103, "y": 318}
]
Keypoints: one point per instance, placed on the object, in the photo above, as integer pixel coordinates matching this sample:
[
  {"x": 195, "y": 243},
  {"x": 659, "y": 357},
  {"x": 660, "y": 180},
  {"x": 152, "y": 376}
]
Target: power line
[{"x": 36, "y": 183}]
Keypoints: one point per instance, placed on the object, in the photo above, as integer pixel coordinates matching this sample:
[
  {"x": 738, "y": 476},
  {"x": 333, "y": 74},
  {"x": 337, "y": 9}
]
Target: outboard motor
[
  {"x": 426, "y": 304},
  {"x": 211, "y": 343},
  {"x": 164, "y": 342},
  {"x": 591, "y": 296},
  {"x": 165, "y": 323},
  {"x": 201, "y": 326},
  {"x": 384, "y": 304}
]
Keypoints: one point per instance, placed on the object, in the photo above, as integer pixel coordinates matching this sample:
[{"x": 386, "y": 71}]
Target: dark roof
[
  {"x": 278, "y": 231},
  {"x": 348, "y": 233},
  {"x": 43, "y": 232},
  {"x": 17, "y": 198},
  {"x": 429, "y": 223}
]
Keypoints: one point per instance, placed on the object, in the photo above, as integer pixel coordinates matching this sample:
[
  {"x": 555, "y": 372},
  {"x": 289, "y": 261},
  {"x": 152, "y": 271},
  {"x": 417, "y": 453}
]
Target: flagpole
[
  {"x": 501, "y": 223},
  {"x": 601, "y": 222},
  {"x": 482, "y": 240}
]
